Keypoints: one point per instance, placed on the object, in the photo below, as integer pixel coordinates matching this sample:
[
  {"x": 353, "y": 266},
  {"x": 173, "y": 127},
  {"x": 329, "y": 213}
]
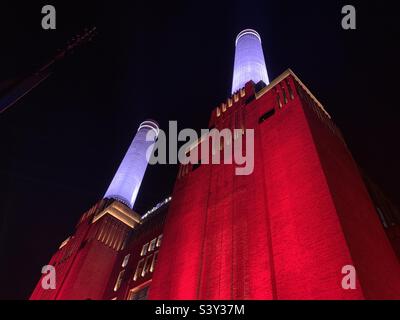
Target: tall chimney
[
  {"x": 126, "y": 182},
  {"x": 249, "y": 60}
]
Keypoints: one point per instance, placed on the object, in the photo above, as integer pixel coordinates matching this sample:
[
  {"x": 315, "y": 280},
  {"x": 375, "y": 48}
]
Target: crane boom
[{"x": 21, "y": 88}]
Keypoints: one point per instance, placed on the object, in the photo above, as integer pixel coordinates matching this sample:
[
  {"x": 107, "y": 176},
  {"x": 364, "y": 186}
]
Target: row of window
[
  {"x": 271, "y": 112},
  {"x": 229, "y": 103},
  {"x": 285, "y": 98},
  {"x": 150, "y": 246},
  {"x": 144, "y": 267},
  {"x": 278, "y": 99}
]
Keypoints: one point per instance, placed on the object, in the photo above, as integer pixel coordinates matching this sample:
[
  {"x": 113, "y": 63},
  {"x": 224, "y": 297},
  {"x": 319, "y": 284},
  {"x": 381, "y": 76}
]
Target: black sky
[{"x": 167, "y": 60}]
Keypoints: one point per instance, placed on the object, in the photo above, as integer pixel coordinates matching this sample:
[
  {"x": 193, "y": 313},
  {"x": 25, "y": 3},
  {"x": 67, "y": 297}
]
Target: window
[
  {"x": 138, "y": 270},
  {"x": 278, "y": 100},
  {"x": 159, "y": 240},
  {"x": 290, "y": 89},
  {"x": 153, "y": 263},
  {"x": 152, "y": 244},
  {"x": 266, "y": 115},
  {"x": 144, "y": 249},
  {"x": 139, "y": 294},
  {"x": 285, "y": 100},
  {"x": 146, "y": 266},
  {"x": 126, "y": 260},
  {"x": 119, "y": 280}
]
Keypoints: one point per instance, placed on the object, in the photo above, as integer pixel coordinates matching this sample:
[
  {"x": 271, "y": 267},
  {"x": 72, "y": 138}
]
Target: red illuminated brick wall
[
  {"x": 63, "y": 259},
  {"x": 83, "y": 266},
  {"x": 370, "y": 248},
  {"x": 284, "y": 232}
]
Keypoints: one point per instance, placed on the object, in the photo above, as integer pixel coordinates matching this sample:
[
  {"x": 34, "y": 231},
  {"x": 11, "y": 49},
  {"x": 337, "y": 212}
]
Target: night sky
[{"x": 167, "y": 60}]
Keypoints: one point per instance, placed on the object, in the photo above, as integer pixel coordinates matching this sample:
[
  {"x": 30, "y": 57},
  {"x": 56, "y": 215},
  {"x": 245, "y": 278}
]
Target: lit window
[
  {"x": 285, "y": 100},
  {"x": 278, "y": 100},
  {"x": 159, "y": 240},
  {"x": 138, "y": 269},
  {"x": 144, "y": 249},
  {"x": 119, "y": 280},
  {"x": 126, "y": 260},
  {"x": 154, "y": 261},
  {"x": 218, "y": 112},
  {"x": 290, "y": 89},
  {"x": 152, "y": 244},
  {"x": 146, "y": 266}
]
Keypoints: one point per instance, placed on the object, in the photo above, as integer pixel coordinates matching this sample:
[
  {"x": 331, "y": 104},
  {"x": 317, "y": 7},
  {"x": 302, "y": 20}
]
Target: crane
[{"x": 18, "y": 89}]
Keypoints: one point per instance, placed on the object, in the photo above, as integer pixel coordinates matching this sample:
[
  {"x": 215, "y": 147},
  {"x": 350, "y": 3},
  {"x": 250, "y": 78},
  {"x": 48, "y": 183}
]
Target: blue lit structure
[
  {"x": 126, "y": 182},
  {"x": 249, "y": 60}
]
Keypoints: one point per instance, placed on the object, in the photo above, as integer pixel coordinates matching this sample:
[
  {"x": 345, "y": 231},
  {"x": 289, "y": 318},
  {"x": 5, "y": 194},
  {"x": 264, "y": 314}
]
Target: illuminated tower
[
  {"x": 84, "y": 261},
  {"x": 126, "y": 183},
  {"x": 287, "y": 230},
  {"x": 249, "y": 60}
]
